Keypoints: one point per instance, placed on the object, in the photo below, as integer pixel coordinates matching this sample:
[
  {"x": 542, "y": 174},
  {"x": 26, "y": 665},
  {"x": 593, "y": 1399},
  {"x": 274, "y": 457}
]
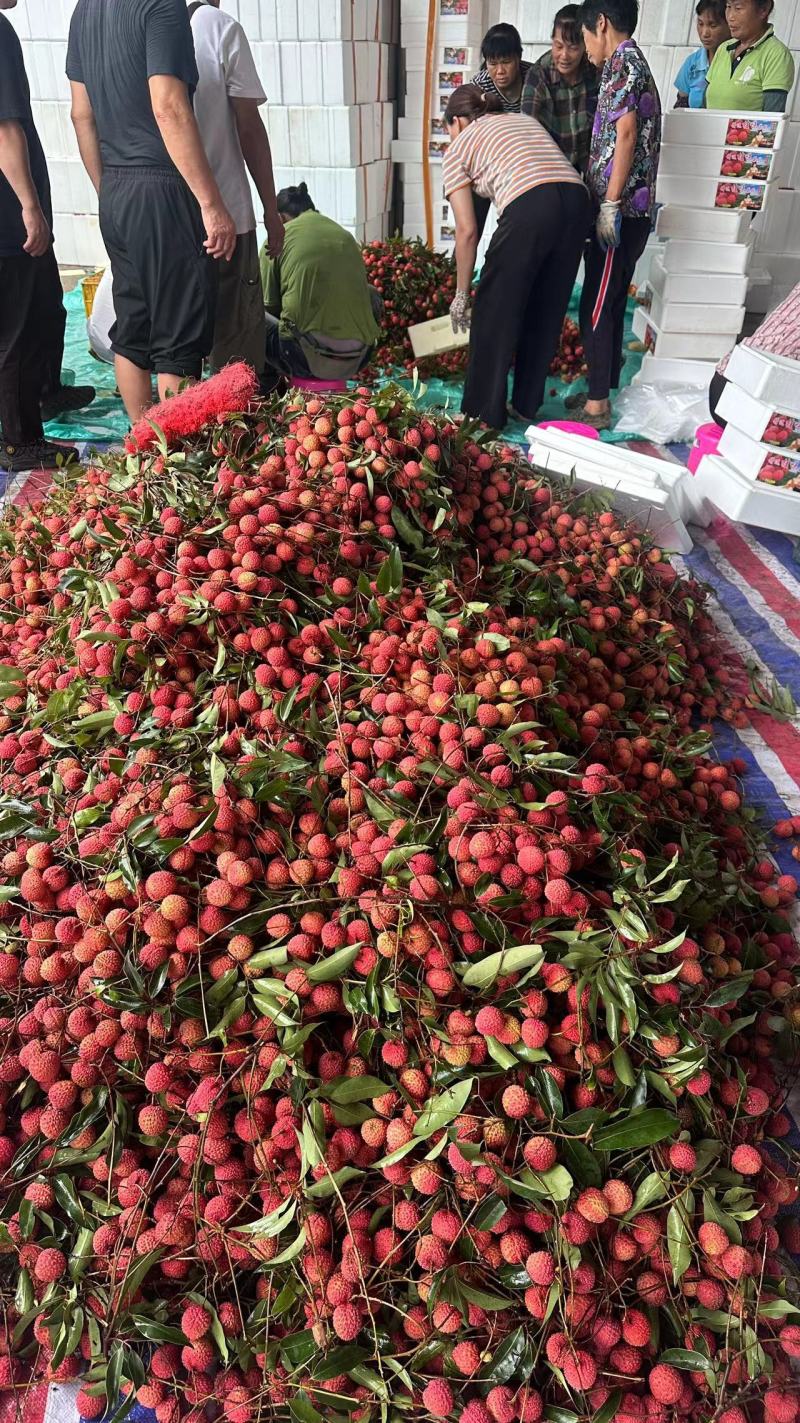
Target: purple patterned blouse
[{"x": 627, "y": 84}]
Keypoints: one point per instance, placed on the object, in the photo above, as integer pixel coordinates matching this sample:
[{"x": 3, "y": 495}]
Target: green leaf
[
  {"x": 729, "y": 992},
  {"x": 623, "y": 1067},
  {"x": 679, "y": 1240},
  {"x": 303, "y": 1410},
  {"x": 610, "y": 1408},
  {"x": 329, "y": 1185},
  {"x": 156, "y": 1333},
  {"x": 644, "y": 1129},
  {"x": 713, "y": 1211},
  {"x": 651, "y": 1189},
  {"x": 137, "y": 1276},
  {"x": 483, "y": 1298},
  {"x": 290, "y": 1253},
  {"x": 686, "y": 1359},
  {"x": 489, "y": 1213},
  {"x": 340, "y": 1361},
  {"x": 218, "y": 773},
  {"x": 335, "y": 966},
  {"x": 483, "y": 974},
  {"x": 354, "y": 1089},
  {"x": 777, "y": 1309},
  {"x": 439, "y": 1111},
  {"x": 506, "y": 1358},
  {"x": 501, "y": 1055}
]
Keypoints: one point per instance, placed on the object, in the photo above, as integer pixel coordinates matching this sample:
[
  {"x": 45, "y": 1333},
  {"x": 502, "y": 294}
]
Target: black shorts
[{"x": 164, "y": 281}]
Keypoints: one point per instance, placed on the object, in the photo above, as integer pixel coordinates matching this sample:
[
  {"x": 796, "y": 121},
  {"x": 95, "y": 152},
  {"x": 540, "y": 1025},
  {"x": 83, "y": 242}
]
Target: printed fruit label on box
[
  {"x": 747, "y": 163},
  {"x": 752, "y": 133},
  {"x": 650, "y": 338},
  {"x": 783, "y": 431},
  {"x": 780, "y": 469},
  {"x": 749, "y": 196}
]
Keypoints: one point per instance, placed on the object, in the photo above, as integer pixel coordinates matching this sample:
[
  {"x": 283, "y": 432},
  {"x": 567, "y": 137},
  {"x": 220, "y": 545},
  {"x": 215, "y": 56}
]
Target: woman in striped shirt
[{"x": 533, "y": 258}]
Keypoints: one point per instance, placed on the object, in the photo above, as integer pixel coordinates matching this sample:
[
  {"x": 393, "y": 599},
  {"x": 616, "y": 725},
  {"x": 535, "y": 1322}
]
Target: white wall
[{"x": 327, "y": 67}]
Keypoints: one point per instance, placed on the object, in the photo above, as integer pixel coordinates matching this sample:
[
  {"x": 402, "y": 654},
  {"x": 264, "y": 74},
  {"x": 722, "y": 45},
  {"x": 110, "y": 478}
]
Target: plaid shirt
[{"x": 566, "y": 111}]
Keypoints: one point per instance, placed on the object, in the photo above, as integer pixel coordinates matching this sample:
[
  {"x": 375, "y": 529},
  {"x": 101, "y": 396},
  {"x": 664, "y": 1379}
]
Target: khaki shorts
[{"x": 239, "y": 330}]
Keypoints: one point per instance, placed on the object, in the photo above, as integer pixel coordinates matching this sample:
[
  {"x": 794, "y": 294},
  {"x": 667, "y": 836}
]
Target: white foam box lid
[
  {"x": 566, "y": 452},
  {"x": 710, "y": 126},
  {"x": 430, "y": 338},
  {"x": 712, "y": 225},
  {"x": 680, "y": 345},
  {"x": 777, "y": 429},
  {"x": 712, "y": 288},
  {"x": 707, "y": 193},
  {"x": 753, "y": 458},
  {"x": 775, "y": 379},
  {"x": 654, "y": 371},
  {"x": 695, "y": 317},
  {"x": 726, "y": 258},
  {"x": 700, "y": 161},
  {"x": 739, "y": 498}
]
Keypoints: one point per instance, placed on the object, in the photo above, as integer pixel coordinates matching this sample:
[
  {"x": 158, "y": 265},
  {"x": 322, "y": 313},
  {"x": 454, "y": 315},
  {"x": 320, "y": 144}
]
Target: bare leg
[
  {"x": 170, "y": 385},
  {"x": 135, "y": 387}
]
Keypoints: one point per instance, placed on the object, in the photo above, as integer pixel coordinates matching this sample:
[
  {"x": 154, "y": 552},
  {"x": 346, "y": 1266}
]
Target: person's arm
[
  {"x": 82, "y": 116},
  {"x": 177, "y": 125},
  {"x": 624, "y": 151},
  {"x": 257, "y": 155},
  {"x": 683, "y": 83},
  {"x": 466, "y": 237},
  {"x": 16, "y": 169},
  {"x": 774, "y": 101},
  {"x": 271, "y": 282}
]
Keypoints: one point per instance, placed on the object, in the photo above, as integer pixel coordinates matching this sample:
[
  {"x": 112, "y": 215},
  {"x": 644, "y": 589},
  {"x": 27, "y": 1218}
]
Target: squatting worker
[
  {"x": 560, "y": 89},
  {"x": 623, "y": 167},
  {"x": 321, "y": 310},
  {"x": 754, "y": 71},
  {"x": 132, "y": 70},
  {"x": 532, "y": 261},
  {"x": 226, "y": 105}
]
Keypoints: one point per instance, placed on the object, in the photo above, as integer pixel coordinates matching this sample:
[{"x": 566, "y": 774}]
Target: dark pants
[
  {"x": 522, "y": 298},
  {"x": 165, "y": 284},
  {"x": 31, "y": 342},
  {"x": 715, "y": 391},
  {"x": 603, "y": 302},
  {"x": 286, "y": 356}
]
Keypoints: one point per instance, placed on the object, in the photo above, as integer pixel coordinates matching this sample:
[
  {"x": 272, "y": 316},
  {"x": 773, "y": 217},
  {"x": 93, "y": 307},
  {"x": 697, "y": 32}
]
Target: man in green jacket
[{"x": 322, "y": 314}]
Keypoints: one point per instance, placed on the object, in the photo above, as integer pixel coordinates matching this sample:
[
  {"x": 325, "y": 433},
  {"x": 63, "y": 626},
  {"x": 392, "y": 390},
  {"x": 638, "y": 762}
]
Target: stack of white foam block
[
  {"x": 717, "y": 171},
  {"x": 458, "y": 33},
  {"x": 327, "y": 67},
  {"x": 755, "y": 476}
]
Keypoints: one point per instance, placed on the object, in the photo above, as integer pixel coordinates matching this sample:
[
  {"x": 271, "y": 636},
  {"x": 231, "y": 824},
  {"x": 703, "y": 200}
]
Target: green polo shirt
[
  {"x": 319, "y": 283},
  {"x": 768, "y": 64}
]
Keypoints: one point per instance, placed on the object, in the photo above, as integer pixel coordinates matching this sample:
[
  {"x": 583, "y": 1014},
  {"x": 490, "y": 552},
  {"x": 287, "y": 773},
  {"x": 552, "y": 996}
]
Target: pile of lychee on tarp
[{"x": 396, "y": 1002}]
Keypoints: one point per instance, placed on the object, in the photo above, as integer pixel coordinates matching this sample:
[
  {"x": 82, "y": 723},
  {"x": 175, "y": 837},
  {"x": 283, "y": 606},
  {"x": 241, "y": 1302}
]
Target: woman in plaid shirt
[{"x": 560, "y": 89}]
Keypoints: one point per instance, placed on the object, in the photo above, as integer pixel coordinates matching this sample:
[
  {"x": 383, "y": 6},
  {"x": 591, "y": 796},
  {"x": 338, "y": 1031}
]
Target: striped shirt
[
  {"x": 484, "y": 81},
  {"x": 502, "y": 156},
  {"x": 779, "y": 333}
]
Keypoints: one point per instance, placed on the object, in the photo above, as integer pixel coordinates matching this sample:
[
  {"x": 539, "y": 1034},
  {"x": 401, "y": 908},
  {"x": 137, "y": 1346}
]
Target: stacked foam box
[
  {"x": 717, "y": 170},
  {"x": 327, "y": 67},
  {"x": 755, "y": 476},
  {"x": 459, "y": 29}
]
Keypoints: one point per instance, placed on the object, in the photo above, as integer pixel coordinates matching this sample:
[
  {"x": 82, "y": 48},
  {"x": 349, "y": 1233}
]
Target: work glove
[
  {"x": 609, "y": 225},
  {"x": 459, "y": 312}
]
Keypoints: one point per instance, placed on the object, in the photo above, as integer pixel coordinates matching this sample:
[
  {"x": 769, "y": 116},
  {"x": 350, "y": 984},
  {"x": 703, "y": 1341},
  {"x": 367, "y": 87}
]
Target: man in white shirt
[{"x": 226, "y": 105}]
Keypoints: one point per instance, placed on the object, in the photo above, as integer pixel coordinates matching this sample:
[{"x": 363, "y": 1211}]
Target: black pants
[
  {"x": 715, "y": 392},
  {"x": 522, "y": 298},
  {"x": 605, "y": 295},
  {"x": 31, "y": 342},
  {"x": 165, "y": 284}
]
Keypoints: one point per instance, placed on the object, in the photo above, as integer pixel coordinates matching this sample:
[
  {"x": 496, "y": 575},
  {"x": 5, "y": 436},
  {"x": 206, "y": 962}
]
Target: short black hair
[
  {"x": 717, "y": 8},
  {"x": 568, "y": 21},
  {"x": 622, "y": 14},
  {"x": 294, "y": 201},
  {"x": 502, "y": 42}
]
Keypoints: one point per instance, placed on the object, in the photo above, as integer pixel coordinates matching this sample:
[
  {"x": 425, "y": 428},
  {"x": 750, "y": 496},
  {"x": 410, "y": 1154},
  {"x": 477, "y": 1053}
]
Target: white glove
[
  {"x": 609, "y": 225},
  {"x": 459, "y": 312}
]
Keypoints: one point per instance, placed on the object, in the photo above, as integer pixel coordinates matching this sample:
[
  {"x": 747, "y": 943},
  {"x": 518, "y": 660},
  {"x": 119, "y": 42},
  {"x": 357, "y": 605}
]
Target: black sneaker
[
  {"x": 41, "y": 454},
  {"x": 65, "y": 399}
]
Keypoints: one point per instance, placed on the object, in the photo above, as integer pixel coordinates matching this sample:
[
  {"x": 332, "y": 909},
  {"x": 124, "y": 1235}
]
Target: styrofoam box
[
  {"x": 726, "y": 258},
  {"x": 776, "y": 429},
  {"x": 753, "y": 458},
  {"x": 715, "y": 225},
  {"x": 739, "y": 498},
  {"x": 701, "y": 161},
  {"x": 706, "y": 193},
  {"x": 706, "y": 288},
  {"x": 774, "y": 379},
  {"x": 693, "y": 318},
  {"x": 430, "y": 338},
  {"x": 673, "y": 372},
  {"x": 680, "y": 345},
  {"x": 711, "y": 126}
]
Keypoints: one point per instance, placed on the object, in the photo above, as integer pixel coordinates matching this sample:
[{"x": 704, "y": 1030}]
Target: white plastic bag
[{"x": 665, "y": 414}]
